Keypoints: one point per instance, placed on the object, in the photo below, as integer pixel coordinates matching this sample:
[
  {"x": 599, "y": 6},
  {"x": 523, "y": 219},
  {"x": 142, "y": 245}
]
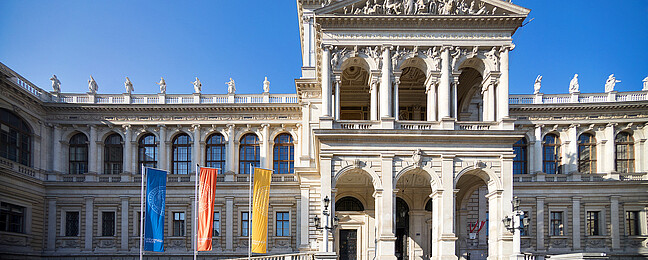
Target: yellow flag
[{"x": 262, "y": 178}]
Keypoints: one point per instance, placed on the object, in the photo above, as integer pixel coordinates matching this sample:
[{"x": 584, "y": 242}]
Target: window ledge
[
  {"x": 560, "y": 237},
  {"x": 597, "y": 237}
]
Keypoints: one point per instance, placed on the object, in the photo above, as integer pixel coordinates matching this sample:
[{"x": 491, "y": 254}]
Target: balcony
[
  {"x": 446, "y": 124},
  {"x": 578, "y": 98}
]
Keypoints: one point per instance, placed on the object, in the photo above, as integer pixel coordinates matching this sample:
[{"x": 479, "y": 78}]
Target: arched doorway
[
  {"x": 472, "y": 216},
  {"x": 402, "y": 229}
]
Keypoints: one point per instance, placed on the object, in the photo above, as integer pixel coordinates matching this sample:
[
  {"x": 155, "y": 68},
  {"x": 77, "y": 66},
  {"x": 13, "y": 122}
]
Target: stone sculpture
[
  {"x": 231, "y": 86},
  {"x": 56, "y": 84},
  {"x": 573, "y": 85},
  {"x": 610, "y": 83},
  {"x": 197, "y": 85},
  {"x": 492, "y": 55},
  {"x": 162, "y": 85},
  {"x": 129, "y": 85},
  {"x": 645, "y": 84},
  {"x": 92, "y": 85},
  {"x": 266, "y": 85},
  {"x": 419, "y": 7},
  {"x": 537, "y": 85}
]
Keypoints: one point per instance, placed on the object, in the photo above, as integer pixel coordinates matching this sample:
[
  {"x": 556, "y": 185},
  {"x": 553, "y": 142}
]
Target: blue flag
[{"x": 154, "y": 220}]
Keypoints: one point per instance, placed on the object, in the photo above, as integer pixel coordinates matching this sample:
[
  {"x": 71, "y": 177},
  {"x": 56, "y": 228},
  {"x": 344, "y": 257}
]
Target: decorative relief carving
[{"x": 420, "y": 7}]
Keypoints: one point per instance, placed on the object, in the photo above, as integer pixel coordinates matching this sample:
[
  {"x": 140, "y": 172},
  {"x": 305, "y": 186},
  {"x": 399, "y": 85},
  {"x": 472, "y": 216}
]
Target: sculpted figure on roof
[{"x": 56, "y": 84}]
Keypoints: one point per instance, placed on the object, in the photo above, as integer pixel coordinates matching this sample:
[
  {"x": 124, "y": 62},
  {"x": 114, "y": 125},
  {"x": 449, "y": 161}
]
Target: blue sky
[{"x": 249, "y": 40}]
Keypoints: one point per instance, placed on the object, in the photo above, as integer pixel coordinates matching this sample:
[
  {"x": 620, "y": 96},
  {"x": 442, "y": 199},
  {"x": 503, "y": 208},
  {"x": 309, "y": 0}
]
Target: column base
[{"x": 387, "y": 122}]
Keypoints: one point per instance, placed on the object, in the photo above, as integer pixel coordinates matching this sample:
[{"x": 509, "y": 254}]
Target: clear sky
[{"x": 248, "y": 40}]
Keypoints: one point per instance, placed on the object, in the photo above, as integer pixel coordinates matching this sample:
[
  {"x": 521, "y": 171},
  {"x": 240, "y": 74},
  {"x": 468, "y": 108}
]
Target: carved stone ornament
[
  {"x": 417, "y": 158},
  {"x": 357, "y": 163},
  {"x": 480, "y": 165},
  {"x": 417, "y": 7}
]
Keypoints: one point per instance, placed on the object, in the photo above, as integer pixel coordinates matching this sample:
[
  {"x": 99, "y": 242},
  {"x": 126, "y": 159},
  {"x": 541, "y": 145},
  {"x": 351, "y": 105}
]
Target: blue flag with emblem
[{"x": 154, "y": 222}]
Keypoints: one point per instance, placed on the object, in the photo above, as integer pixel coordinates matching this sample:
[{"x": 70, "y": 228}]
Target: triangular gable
[{"x": 422, "y": 7}]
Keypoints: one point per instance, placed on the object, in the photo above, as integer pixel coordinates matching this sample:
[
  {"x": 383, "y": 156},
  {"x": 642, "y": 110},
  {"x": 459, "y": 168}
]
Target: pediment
[{"x": 421, "y": 8}]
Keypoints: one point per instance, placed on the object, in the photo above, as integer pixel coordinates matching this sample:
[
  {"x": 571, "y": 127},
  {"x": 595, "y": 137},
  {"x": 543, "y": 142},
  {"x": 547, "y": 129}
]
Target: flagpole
[
  {"x": 195, "y": 225},
  {"x": 250, "y": 216},
  {"x": 141, "y": 248}
]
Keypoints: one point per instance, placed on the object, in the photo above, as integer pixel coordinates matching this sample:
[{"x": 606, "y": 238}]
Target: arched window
[
  {"x": 113, "y": 154},
  {"x": 15, "y": 138},
  {"x": 551, "y": 154},
  {"x": 284, "y": 154},
  {"x": 215, "y": 155},
  {"x": 624, "y": 152},
  {"x": 249, "y": 153},
  {"x": 181, "y": 161},
  {"x": 78, "y": 154},
  {"x": 147, "y": 152},
  {"x": 349, "y": 204},
  {"x": 587, "y": 153},
  {"x": 521, "y": 159}
]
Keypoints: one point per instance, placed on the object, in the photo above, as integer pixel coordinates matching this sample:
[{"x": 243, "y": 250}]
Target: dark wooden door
[{"x": 348, "y": 244}]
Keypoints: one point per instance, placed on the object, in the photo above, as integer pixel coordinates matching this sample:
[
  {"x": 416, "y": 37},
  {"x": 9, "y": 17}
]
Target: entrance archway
[
  {"x": 413, "y": 187},
  {"x": 402, "y": 229}
]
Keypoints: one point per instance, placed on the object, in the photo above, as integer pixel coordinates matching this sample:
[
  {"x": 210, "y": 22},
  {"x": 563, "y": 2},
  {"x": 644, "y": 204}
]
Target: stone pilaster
[
  {"x": 163, "y": 158},
  {"x": 128, "y": 149},
  {"x": 51, "y": 223},
  {"x": 93, "y": 161},
  {"x": 540, "y": 223},
  {"x": 124, "y": 224},
  {"x": 576, "y": 220},
  {"x": 304, "y": 226},
  {"x": 229, "y": 223},
  {"x": 385, "y": 83},
  {"x": 614, "y": 222},
  {"x": 89, "y": 218},
  {"x": 444, "y": 85}
]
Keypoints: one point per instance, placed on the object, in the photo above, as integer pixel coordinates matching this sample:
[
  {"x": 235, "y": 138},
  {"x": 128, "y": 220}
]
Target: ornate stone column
[
  {"x": 229, "y": 160},
  {"x": 266, "y": 160},
  {"x": 396, "y": 84},
  {"x": 572, "y": 148},
  {"x": 454, "y": 107},
  {"x": 374, "y": 99},
  {"x": 430, "y": 90},
  {"x": 338, "y": 106},
  {"x": 444, "y": 86},
  {"x": 128, "y": 149},
  {"x": 503, "y": 86},
  {"x": 537, "y": 149},
  {"x": 326, "y": 80},
  {"x": 196, "y": 147},
  {"x": 163, "y": 158},
  {"x": 93, "y": 161},
  {"x": 385, "y": 83},
  {"x": 608, "y": 162},
  {"x": 58, "y": 151}
]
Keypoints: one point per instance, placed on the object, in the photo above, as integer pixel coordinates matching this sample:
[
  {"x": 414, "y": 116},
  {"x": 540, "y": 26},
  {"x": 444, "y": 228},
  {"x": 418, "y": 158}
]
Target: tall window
[
  {"x": 551, "y": 154},
  {"x": 147, "y": 152},
  {"x": 624, "y": 152},
  {"x": 284, "y": 154},
  {"x": 108, "y": 224},
  {"x": 216, "y": 231},
  {"x": 556, "y": 223},
  {"x": 181, "y": 162},
  {"x": 78, "y": 154},
  {"x": 587, "y": 153},
  {"x": 215, "y": 155},
  {"x": 283, "y": 224},
  {"x": 15, "y": 138},
  {"x": 12, "y": 218},
  {"x": 593, "y": 223},
  {"x": 178, "y": 224},
  {"x": 71, "y": 223},
  {"x": 245, "y": 223},
  {"x": 632, "y": 223},
  {"x": 113, "y": 154},
  {"x": 249, "y": 153},
  {"x": 520, "y": 161}
]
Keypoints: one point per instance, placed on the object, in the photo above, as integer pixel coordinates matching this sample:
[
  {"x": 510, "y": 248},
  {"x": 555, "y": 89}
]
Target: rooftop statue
[
  {"x": 56, "y": 84},
  {"x": 573, "y": 84},
  {"x": 129, "y": 86},
  {"x": 537, "y": 85},
  {"x": 231, "y": 86},
  {"x": 92, "y": 85},
  {"x": 162, "y": 85},
  {"x": 197, "y": 85},
  {"x": 266, "y": 85},
  {"x": 645, "y": 85},
  {"x": 610, "y": 83}
]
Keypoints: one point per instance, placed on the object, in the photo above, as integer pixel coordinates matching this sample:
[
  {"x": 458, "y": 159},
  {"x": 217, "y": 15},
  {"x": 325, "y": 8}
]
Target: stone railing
[
  {"x": 578, "y": 98},
  {"x": 300, "y": 256},
  {"x": 356, "y": 124},
  {"x": 21, "y": 169},
  {"x": 581, "y": 177},
  {"x": 175, "y": 98}
]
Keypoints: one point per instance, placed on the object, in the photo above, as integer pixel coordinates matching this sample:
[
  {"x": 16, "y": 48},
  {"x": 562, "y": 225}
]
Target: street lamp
[
  {"x": 513, "y": 223},
  {"x": 327, "y": 228}
]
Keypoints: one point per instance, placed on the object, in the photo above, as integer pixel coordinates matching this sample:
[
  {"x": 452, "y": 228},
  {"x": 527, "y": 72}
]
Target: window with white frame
[
  {"x": 245, "y": 223},
  {"x": 178, "y": 224},
  {"x": 71, "y": 223},
  {"x": 283, "y": 224}
]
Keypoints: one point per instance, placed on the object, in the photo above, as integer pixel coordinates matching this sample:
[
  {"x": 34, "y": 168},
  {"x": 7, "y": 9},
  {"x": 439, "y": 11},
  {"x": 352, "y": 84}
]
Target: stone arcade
[{"x": 402, "y": 118}]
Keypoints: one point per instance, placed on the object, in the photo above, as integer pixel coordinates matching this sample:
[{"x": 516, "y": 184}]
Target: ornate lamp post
[
  {"x": 513, "y": 223},
  {"x": 327, "y": 228}
]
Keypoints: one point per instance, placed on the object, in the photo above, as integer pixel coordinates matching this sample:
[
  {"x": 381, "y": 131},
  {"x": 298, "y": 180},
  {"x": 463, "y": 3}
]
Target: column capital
[
  {"x": 386, "y": 156},
  {"x": 326, "y": 47},
  {"x": 506, "y": 48}
]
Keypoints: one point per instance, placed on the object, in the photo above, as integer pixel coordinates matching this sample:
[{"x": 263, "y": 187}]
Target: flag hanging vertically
[
  {"x": 155, "y": 197},
  {"x": 262, "y": 178},
  {"x": 207, "y": 189}
]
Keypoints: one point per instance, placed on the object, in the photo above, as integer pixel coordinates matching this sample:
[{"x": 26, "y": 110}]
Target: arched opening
[
  {"x": 15, "y": 138},
  {"x": 414, "y": 186},
  {"x": 355, "y": 210},
  {"x": 249, "y": 153},
  {"x": 147, "y": 152},
  {"x": 78, "y": 154},
  {"x": 215, "y": 153},
  {"x": 113, "y": 154},
  {"x": 354, "y": 96},
  {"x": 412, "y": 99},
  {"x": 402, "y": 229},
  {"x": 469, "y": 94},
  {"x": 181, "y": 154},
  {"x": 284, "y": 154},
  {"x": 471, "y": 216}
]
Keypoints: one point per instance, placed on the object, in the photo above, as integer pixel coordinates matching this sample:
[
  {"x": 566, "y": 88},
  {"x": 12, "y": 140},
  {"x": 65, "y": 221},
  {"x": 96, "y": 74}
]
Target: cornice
[{"x": 418, "y": 22}]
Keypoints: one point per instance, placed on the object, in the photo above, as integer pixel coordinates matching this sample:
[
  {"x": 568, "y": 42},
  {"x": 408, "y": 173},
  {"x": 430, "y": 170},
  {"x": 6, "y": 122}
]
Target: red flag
[{"x": 206, "y": 191}]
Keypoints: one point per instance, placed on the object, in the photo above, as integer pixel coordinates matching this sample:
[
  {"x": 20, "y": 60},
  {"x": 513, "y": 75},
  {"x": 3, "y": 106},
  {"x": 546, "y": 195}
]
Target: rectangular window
[
  {"x": 71, "y": 223},
  {"x": 216, "y": 231},
  {"x": 245, "y": 222},
  {"x": 593, "y": 223},
  {"x": 632, "y": 223},
  {"x": 556, "y": 223},
  {"x": 178, "y": 224},
  {"x": 108, "y": 224},
  {"x": 283, "y": 224},
  {"x": 12, "y": 218}
]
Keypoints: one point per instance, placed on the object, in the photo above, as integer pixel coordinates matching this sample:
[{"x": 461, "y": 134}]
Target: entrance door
[
  {"x": 348, "y": 244},
  {"x": 402, "y": 229}
]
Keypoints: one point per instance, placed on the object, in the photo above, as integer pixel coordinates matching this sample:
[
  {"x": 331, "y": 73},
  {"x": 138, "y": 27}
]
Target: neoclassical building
[{"x": 401, "y": 142}]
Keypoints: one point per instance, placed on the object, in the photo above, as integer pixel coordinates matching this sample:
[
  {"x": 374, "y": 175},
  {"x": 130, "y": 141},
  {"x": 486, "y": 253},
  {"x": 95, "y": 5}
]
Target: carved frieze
[{"x": 420, "y": 7}]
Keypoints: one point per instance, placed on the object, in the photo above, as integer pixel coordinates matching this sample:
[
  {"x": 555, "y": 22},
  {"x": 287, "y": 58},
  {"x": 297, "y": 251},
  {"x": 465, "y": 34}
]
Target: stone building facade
[{"x": 402, "y": 117}]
